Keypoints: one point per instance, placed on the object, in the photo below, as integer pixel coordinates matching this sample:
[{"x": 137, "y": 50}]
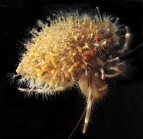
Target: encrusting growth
[{"x": 73, "y": 50}]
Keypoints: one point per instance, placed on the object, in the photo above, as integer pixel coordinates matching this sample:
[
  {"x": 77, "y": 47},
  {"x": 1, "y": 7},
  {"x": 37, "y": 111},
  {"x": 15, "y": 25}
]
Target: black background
[{"x": 118, "y": 115}]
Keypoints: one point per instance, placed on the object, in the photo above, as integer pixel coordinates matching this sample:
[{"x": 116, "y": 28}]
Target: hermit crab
[{"x": 73, "y": 50}]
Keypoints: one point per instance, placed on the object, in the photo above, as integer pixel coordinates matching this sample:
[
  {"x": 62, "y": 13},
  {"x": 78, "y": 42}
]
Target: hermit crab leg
[
  {"x": 112, "y": 75},
  {"x": 119, "y": 68},
  {"x": 86, "y": 86},
  {"x": 88, "y": 108},
  {"x": 127, "y": 40}
]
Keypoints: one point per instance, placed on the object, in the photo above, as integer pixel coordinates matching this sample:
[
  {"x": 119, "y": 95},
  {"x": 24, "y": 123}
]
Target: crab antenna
[
  {"x": 128, "y": 53},
  {"x": 77, "y": 123}
]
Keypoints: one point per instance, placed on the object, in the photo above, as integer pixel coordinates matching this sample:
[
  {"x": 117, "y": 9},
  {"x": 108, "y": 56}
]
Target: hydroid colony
[{"x": 72, "y": 50}]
